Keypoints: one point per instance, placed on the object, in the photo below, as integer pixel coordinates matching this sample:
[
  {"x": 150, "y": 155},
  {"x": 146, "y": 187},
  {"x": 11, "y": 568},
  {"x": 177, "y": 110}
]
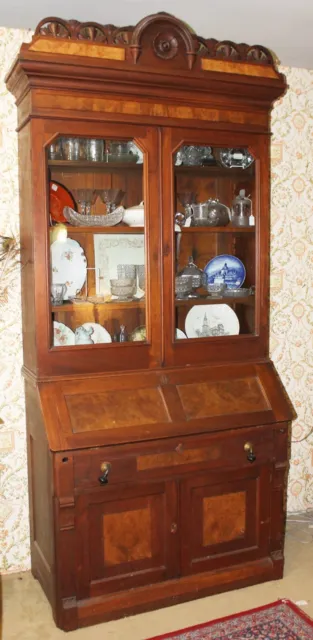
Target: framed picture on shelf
[{"x": 112, "y": 250}]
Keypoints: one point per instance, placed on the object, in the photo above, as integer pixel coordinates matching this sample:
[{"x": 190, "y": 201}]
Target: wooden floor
[{"x": 26, "y": 613}]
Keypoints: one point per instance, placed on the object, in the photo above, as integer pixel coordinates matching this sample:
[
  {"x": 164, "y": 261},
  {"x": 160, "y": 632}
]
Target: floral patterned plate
[
  {"x": 62, "y": 335},
  {"x": 68, "y": 265},
  {"x": 138, "y": 335},
  {"x": 98, "y": 333}
]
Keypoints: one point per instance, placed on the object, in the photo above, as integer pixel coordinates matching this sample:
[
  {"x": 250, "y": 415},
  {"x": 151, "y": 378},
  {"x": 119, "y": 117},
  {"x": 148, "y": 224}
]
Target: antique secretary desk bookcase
[{"x": 157, "y": 425}]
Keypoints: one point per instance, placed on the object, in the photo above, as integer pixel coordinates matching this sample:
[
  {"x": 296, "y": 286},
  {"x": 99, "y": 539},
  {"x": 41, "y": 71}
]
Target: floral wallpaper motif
[
  {"x": 291, "y": 299},
  {"x": 292, "y": 270},
  {"x": 14, "y": 528}
]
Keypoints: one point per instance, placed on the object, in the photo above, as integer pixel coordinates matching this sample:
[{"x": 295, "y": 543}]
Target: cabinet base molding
[{"x": 148, "y": 598}]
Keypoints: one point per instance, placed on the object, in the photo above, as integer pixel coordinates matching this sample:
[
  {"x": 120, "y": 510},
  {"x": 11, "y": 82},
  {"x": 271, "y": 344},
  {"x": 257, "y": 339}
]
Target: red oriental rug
[{"x": 281, "y": 620}]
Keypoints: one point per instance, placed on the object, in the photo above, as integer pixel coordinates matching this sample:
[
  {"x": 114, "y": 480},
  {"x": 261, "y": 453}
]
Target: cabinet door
[
  {"x": 225, "y": 519},
  {"x": 97, "y": 203},
  {"x": 126, "y": 537},
  {"x": 215, "y": 231}
]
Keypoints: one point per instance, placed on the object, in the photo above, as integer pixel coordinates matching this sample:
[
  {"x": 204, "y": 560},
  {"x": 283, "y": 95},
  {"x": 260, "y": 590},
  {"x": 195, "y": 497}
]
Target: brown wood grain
[
  {"x": 45, "y": 45},
  {"x": 224, "y": 519},
  {"x": 116, "y": 409},
  {"x": 127, "y": 536},
  {"x": 212, "y": 398},
  {"x": 239, "y": 67}
]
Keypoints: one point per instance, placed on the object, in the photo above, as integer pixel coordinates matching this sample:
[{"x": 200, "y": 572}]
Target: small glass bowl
[
  {"x": 238, "y": 292},
  {"x": 215, "y": 289},
  {"x": 123, "y": 288}
]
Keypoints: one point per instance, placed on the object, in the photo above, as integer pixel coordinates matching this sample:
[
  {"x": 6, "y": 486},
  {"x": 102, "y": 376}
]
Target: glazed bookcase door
[
  {"x": 218, "y": 283},
  {"x": 230, "y": 518},
  {"x": 100, "y": 185},
  {"x": 125, "y": 537}
]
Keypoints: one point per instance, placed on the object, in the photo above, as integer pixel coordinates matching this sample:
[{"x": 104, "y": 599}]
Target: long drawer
[{"x": 175, "y": 456}]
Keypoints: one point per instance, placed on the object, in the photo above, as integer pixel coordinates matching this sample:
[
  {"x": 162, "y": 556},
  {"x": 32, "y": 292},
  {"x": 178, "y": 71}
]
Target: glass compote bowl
[
  {"x": 187, "y": 198},
  {"x": 85, "y": 198},
  {"x": 111, "y": 198}
]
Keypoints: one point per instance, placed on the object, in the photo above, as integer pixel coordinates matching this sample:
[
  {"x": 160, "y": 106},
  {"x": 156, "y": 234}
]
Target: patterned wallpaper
[{"x": 291, "y": 305}]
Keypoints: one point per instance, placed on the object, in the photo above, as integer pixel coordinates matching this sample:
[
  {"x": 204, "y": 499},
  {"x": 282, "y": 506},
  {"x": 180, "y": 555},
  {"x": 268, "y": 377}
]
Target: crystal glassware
[
  {"x": 94, "y": 150},
  {"x": 192, "y": 155},
  {"x": 57, "y": 293},
  {"x": 216, "y": 289},
  {"x": 183, "y": 286},
  {"x": 141, "y": 275},
  {"x": 198, "y": 277},
  {"x": 71, "y": 148},
  {"x": 126, "y": 271},
  {"x": 111, "y": 198},
  {"x": 123, "y": 288},
  {"x": 85, "y": 198},
  {"x": 55, "y": 150}
]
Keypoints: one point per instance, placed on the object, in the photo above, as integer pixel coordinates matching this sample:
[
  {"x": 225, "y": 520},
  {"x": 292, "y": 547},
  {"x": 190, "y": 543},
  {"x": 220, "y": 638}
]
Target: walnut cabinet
[{"x": 157, "y": 426}]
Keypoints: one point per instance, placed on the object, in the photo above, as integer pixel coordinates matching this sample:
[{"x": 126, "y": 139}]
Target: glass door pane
[
  {"x": 97, "y": 244},
  {"x": 214, "y": 200}
]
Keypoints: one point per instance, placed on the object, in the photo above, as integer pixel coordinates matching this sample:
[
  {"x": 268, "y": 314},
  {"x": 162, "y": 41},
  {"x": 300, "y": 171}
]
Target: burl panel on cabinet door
[
  {"x": 230, "y": 517},
  {"x": 125, "y": 537}
]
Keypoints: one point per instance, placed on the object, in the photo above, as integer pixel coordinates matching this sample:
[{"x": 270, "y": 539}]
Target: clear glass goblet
[{"x": 111, "y": 198}]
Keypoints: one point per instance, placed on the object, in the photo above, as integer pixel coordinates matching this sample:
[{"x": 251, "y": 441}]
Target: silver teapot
[{"x": 211, "y": 213}]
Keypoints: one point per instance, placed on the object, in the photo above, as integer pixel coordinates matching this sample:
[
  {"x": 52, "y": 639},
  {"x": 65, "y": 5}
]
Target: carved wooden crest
[{"x": 165, "y": 35}]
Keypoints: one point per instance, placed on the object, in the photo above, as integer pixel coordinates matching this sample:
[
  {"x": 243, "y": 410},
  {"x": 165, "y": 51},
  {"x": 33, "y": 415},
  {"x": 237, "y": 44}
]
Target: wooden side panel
[
  {"x": 225, "y": 396},
  {"x": 27, "y": 246},
  {"x": 40, "y": 495}
]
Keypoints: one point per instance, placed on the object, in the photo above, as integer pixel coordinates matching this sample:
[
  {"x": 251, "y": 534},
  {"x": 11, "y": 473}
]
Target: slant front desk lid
[{"x": 121, "y": 408}]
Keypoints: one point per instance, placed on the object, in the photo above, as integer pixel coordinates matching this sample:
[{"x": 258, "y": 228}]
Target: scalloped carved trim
[{"x": 165, "y": 43}]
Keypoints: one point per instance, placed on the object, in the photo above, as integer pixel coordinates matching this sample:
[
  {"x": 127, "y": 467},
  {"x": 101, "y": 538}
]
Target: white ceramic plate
[
  {"x": 99, "y": 334},
  {"x": 62, "y": 335},
  {"x": 210, "y": 320},
  {"x": 179, "y": 335},
  {"x": 68, "y": 266}
]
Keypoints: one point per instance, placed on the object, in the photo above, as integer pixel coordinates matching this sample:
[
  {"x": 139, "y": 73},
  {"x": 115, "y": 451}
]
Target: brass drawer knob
[
  {"x": 105, "y": 470},
  {"x": 248, "y": 447},
  {"x": 173, "y": 527}
]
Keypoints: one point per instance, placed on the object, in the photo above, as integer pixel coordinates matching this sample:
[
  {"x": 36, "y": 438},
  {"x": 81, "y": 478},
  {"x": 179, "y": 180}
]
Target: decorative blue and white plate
[{"x": 226, "y": 269}]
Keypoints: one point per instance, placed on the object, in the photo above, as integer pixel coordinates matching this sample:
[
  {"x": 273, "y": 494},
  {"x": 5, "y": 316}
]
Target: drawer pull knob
[
  {"x": 105, "y": 470},
  {"x": 248, "y": 447},
  {"x": 173, "y": 527}
]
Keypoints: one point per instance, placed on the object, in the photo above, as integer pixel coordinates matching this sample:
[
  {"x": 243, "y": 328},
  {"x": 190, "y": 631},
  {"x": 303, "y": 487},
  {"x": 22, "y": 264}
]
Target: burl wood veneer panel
[
  {"x": 224, "y": 518},
  {"x": 245, "y": 69},
  {"x": 222, "y": 397},
  {"x": 175, "y": 458},
  {"x": 127, "y": 536},
  {"x": 75, "y": 48},
  {"x": 116, "y": 408}
]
